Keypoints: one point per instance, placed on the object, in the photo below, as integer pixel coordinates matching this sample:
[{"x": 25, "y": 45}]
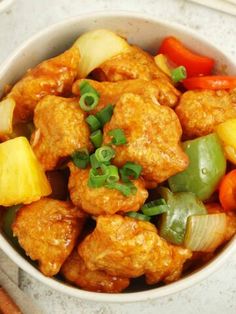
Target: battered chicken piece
[
  {"x": 200, "y": 111},
  {"x": 75, "y": 271},
  {"x": 160, "y": 91},
  {"x": 47, "y": 230},
  {"x": 60, "y": 130},
  {"x": 132, "y": 64},
  {"x": 153, "y": 133},
  {"x": 51, "y": 77},
  {"x": 126, "y": 247},
  {"x": 102, "y": 200}
]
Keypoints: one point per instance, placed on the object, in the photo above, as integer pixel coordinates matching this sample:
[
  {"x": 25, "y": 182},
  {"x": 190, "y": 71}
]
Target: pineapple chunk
[
  {"x": 96, "y": 47},
  {"x": 22, "y": 179},
  {"x": 162, "y": 62},
  {"x": 6, "y": 113}
]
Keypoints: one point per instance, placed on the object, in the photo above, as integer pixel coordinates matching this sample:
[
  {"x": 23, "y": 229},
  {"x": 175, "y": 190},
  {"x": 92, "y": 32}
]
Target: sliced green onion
[
  {"x": 104, "y": 153},
  {"x": 81, "y": 158},
  {"x": 154, "y": 208},
  {"x": 96, "y": 138},
  {"x": 88, "y": 101},
  {"x": 118, "y": 137},
  {"x": 125, "y": 189},
  {"x": 178, "y": 74},
  {"x": 113, "y": 174},
  {"x": 93, "y": 123},
  {"x": 85, "y": 87},
  {"x": 105, "y": 114},
  {"x": 138, "y": 216},
  {"x": 98, "y": 178},
  {"x": 95, "y": 163},
  {"x": 130, "y": 169}
]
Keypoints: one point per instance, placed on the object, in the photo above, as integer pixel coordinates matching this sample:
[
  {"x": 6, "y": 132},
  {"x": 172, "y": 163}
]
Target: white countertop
[{"x": 217, "y": 294}]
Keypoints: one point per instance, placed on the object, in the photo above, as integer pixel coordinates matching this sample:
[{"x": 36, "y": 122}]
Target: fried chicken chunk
[
  {"x": 60, "y": 130},
  {"x": 51, "y": 77},
  {"x": 126, "y": 247},
  {"x": 74, "y": 270},
  {"x": 47, "y": 230},
  {"x": 102, "y": 200},
  {"x": 153, "y": 133},
  {"x": 160, "y": 91},
  {"x": 200, "y": 111},
  {"x": 132, "y": 64}
]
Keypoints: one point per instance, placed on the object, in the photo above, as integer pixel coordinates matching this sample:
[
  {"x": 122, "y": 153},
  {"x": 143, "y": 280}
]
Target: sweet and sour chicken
[{"x": 108, "y": 190}]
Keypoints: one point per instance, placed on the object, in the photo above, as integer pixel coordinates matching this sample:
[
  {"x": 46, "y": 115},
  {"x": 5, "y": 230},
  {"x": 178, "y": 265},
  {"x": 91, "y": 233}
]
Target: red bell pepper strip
[
  {"x": 227, "y": 191},
  {"x": 210, "y": 82},
  {"x": 195, "y": 64}
]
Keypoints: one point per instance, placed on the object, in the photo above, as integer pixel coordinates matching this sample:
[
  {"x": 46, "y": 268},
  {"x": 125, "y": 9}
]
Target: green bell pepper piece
[
  {"x": 207, "y": 165},
  {"x": 181, "y": 205}
]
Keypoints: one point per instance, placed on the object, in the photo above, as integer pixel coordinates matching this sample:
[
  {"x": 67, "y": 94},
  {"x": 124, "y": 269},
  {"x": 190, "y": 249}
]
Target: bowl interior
[{"x": 146, "y": 32}]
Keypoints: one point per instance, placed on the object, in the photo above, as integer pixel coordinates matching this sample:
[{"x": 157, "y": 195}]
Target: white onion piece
[
  {"x": 96, "y": 47},
  {"x": 205, "y": 233},
  {"x": 6, "y": 115}
]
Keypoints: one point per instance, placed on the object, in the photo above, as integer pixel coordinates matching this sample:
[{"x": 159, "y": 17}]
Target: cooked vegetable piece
[
  {"x": 105, "y": 114},
  {"x": 94, "y": 51},
  {"x": 126, "y": 189},
  {"x": 138, "y": 216},
  {"x": 227, "y": 134},
  {"x": 113, "y": 175},
  {"x": 130, "y": 170},
  {"x": 205, "y": 233},
  {"x": 178, "y": 74},
  {"x": 181, "y": 206},
  {"x": 6, "y": 113},
  {"x": 195, "y": 64},
  {"x": 81, "y": 158},
  {"x": 118, "y": 137},
  {"x": 227, "y": 191},
  {"x": 22, "y": 178},
  {"x": 154, "y": 208},
  {"x": 85, "y": 87},
  {"x": 96, "y": 138},
  {"x": 93, "y": 123},
  {"x": 88, "y": 101},
  {"x": 210, "y": 82},
  {"x": 104, "y": 153},
  {"x": 162, "y": 62},
  {"x": 97, "y": 177},
  {"x": 206, "y": 168}
]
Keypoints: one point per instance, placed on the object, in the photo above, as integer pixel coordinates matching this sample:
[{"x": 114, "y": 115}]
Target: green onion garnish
[
  {"x": 88, "y": 101},
  {"x": 81, "y": 158},
  {"x": 179, "y": 74},
  {"x": 95, "y": 163},
  {"x": 105, "y": 114},
  {"x": 96, "y": 138},
  {"x": 154, "y": 208},
  {"x": 113, "y": 175},
  {"x": 85, "y": 87},
  {"x": 93, "y": 122},
  {"x": 118, "y": 137},
  {"x": 104, "y": 153},
  {"x": 130, "y": 170},
  {"x": 97, "y": 177},
  {"x": 125, "y": 189},
  {"x": 138, "y": 216}
]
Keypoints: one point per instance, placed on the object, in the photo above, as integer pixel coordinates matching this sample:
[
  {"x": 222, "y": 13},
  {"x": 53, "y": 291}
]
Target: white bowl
[{"x": 146, "y": 32}]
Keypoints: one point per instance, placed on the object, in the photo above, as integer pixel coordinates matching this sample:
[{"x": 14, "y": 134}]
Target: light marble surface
[{"x": 217, "y": 294}]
